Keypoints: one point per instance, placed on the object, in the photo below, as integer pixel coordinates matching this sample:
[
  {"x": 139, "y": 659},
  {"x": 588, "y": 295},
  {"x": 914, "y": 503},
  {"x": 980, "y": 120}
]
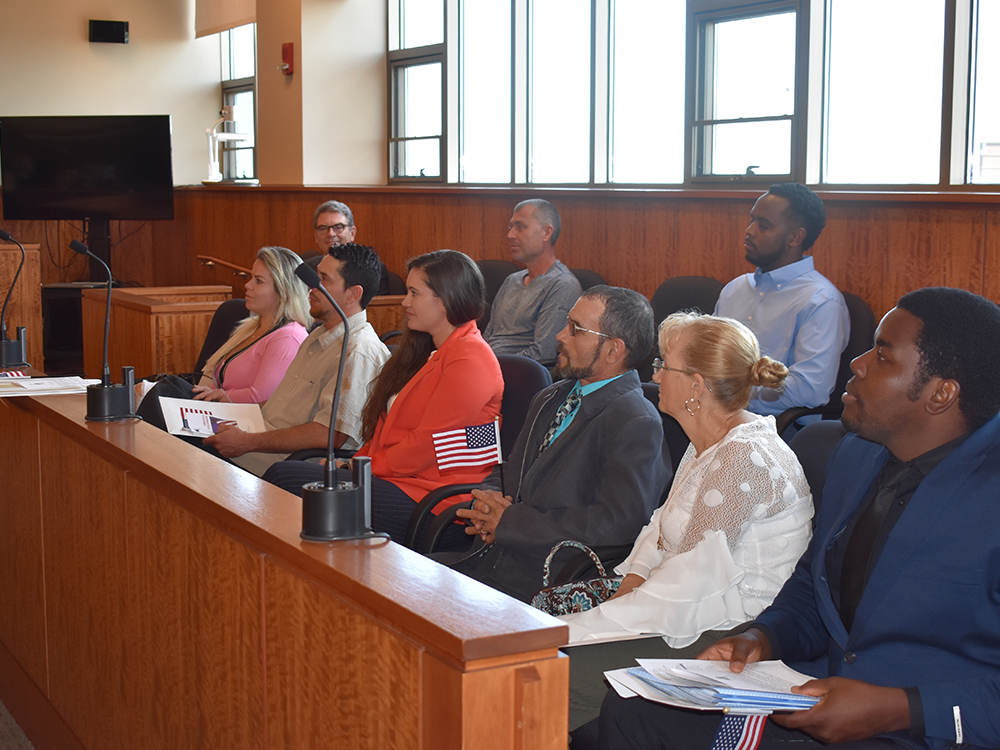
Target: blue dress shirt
[{"x": 800, "y": 319}]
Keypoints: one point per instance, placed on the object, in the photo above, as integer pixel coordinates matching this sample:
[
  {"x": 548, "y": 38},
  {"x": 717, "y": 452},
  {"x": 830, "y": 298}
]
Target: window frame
[{"x": 808, "y": 128}]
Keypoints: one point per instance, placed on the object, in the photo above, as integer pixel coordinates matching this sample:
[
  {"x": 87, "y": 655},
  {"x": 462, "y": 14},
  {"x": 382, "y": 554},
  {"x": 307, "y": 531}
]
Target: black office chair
[
  {"x": 680, "y": 293},
  {"x": 494, "y": 272},
  {"x": 587, "y": 278},
  {"x": 813, "y": 445},
  {"x": 224, "y": 321},
  {"x": 859, "y": 341},
  {"x": 522, "y": 379},
  {"x": 396, "y": 283}
]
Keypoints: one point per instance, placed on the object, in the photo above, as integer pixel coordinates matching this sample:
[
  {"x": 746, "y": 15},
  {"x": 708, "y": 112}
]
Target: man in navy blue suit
[{"x": 895, "y": 606}]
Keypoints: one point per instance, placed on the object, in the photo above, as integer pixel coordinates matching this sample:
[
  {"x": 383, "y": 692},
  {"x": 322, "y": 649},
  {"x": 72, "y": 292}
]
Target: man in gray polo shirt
[
  {"x": 532, "y": 305},
  {"x": 298, "y": 413}
]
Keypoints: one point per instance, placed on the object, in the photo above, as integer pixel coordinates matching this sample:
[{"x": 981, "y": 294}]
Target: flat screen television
[
  {"x": 101, "y": 167},
  {"x": 98, "y": 168}
]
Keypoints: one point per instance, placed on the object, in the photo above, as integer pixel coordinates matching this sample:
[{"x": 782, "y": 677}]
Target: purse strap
[{"x": 582, "y": 547}]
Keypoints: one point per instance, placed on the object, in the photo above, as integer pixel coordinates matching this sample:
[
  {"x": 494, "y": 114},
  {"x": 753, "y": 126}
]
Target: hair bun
[{"x": 768, "y": 373}]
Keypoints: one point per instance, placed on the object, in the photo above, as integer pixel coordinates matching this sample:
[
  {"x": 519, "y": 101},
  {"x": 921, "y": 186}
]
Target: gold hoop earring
[{"x": 687, "y": 405}]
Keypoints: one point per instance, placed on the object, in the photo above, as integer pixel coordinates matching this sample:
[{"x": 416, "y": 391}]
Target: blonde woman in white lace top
[{"x": 737, "y": 518}]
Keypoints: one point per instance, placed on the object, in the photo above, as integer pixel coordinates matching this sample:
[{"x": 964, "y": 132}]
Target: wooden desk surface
[{"x": 178, "y": 593}]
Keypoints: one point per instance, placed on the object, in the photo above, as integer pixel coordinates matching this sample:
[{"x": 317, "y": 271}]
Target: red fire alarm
[{"x": 287, "y": 58}]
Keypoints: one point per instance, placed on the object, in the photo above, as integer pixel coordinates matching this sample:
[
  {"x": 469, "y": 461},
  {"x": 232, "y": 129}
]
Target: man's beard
[{"x": 566, "y": 372}]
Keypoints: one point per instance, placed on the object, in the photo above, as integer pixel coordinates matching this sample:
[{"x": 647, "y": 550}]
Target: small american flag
[
  {"x": 469, "y": 446},
  {"x": 739, "y": 733}
]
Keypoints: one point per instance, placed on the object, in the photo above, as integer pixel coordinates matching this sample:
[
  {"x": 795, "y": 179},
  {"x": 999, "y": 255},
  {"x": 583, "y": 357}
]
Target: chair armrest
[
  {"x": 440, "y": 524},
  {"x": 574, "y": 568},
  {"x": 307, "y": 453},
  {"x": 425, "y": 506},
  {"x": 826, "y": 411}
]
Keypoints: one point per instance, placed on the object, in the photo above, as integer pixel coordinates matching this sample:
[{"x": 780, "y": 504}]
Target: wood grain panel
[
  {"x": 22, "y": 618},
  {"x": 178, "y": 339},
  {"x": 316, "y": 671},
  {"x": 159, "y": 329},
  {"x": 25, "y": 307},
  {"x": 83, "y": 504},
  {"x": 386, "y": 313},
  {"x": 991, "y": 265},
  {"x": 194, "y": 653},
  {"x": 516, "y": 706}
]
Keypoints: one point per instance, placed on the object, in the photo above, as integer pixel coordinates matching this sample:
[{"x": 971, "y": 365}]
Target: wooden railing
[{"x": 168, "y": 601}]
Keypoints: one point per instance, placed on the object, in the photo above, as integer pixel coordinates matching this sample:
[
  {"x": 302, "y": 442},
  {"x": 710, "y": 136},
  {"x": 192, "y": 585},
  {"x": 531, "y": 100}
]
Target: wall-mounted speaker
[{"x": 109, "y": 32}]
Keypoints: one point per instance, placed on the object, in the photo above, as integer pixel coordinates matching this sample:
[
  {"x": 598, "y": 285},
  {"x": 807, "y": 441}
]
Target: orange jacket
[{"x": 460, "y": 386}]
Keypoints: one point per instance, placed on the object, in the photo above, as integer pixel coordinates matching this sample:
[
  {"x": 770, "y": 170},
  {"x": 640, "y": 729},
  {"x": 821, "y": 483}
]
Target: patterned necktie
[{"x": 568, "y": 407}]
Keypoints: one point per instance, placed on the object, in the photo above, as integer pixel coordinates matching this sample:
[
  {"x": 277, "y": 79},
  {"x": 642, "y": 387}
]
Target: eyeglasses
[
  {"x": 659, "y": 364},
  {"x": 574, "y": 329},
  {"x": 337, "y": 228}
]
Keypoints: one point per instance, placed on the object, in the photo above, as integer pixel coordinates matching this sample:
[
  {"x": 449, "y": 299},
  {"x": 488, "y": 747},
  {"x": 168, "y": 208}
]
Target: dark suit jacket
[
  {"x": 597, "y": 483},
  {"x": 930, "y": 615}
]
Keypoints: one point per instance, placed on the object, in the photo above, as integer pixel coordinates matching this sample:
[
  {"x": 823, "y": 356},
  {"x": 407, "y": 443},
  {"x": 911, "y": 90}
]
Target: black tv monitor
[
  {"x": 86, "y": 167},
  {"x": 93, "y": 167}
]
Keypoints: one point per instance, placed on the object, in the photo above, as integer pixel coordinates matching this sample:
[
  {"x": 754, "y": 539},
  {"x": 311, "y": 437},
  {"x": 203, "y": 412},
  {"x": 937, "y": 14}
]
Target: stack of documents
[
  {"x": 760, "y": 688},
  {"x": 12, "y": 385}
]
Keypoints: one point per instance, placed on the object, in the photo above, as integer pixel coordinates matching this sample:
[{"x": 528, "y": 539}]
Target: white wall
[
  {"x": 344, "y": 92},
  {"x": 47, "y": 67}
]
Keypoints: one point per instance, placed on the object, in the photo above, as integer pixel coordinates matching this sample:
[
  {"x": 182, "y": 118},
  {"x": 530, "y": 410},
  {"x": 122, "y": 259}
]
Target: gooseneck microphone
[
  {"x": 13, "y": 353},
  {"x": 108, "y": 401},
  {"x": 330, "y": 510}
]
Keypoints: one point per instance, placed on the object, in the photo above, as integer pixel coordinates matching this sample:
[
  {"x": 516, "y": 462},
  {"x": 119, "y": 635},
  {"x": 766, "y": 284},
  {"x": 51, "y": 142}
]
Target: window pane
[
  {"x": 753, "y": 79},
  {"x": 421, "y": 100},
  {"x": 559, "y": 91},
  {"x": 238, "y": 60},
  {"x": 736, "y": 148},
  {"x": 422, "y": 23},
  {"x": 747, "y": 71},
  {"x": 884, "y": 98},
  {"x": 416, "y": 158},
  {"x": 985, "y": 140},
  {"x": 647, "y": 91},
  {"x": 485, "y": 80}
]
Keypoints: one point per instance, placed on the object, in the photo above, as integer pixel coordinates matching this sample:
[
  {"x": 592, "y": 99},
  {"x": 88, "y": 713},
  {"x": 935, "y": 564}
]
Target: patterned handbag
[{"x": 577, "y": 596}]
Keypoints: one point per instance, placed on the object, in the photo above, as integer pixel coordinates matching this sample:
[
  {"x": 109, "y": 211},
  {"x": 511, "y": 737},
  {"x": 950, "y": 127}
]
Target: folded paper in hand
[
  {"x": 761, "y": 688},
  {"x": 202, "y": 418}
]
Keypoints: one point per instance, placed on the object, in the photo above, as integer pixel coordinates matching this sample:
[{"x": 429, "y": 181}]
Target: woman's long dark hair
[{"x": 456, "y": 280}]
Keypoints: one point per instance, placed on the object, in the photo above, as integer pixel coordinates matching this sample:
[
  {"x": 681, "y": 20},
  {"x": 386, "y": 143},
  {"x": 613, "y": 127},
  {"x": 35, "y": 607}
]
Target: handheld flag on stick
[{"x": 478, "y": 445}]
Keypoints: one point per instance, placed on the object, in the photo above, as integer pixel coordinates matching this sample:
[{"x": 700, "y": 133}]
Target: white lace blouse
[{"x": 716, "y": 553}]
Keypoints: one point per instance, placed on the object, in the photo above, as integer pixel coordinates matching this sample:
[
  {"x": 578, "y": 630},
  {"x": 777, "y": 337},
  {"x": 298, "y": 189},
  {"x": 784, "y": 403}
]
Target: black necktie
[{"x": 858, "y": 555}]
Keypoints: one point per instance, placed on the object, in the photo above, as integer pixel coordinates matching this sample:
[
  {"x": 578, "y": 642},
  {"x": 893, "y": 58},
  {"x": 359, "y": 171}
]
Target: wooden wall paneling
[
  {"x": 316, "y": 672},
  {"x": 25, "y": 308},
  {"x": 194, "y": 658},
  {"x": 83, "y": 506},
  {"x": 875, "y": 248},
  {"x": 853, "y": 252},
  {"x": 22, "y": 621},
  {"x": 991, "y": 261},
  {"x": 883, "y": 252}
]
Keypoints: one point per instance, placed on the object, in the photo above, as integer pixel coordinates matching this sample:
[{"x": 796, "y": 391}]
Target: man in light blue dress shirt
[{"x": 798, "y": 316}]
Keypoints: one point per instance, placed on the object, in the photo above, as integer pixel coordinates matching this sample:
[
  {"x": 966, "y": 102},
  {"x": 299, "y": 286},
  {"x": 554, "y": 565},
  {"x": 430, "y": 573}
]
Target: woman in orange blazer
[{"x": 443, "y": 376}]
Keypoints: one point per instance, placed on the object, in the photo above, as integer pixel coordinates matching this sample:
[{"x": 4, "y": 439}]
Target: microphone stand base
[
  {"x": 13, "y": 352},
  {"x": 342, "y": 511},
  {"x": 107, "y": 403},
  {"x": 333, "y": 514}
]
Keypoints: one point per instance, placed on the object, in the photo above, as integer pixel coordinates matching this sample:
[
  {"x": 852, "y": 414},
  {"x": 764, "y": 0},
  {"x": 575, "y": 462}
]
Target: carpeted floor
[{"x": 11, "y": 736}]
